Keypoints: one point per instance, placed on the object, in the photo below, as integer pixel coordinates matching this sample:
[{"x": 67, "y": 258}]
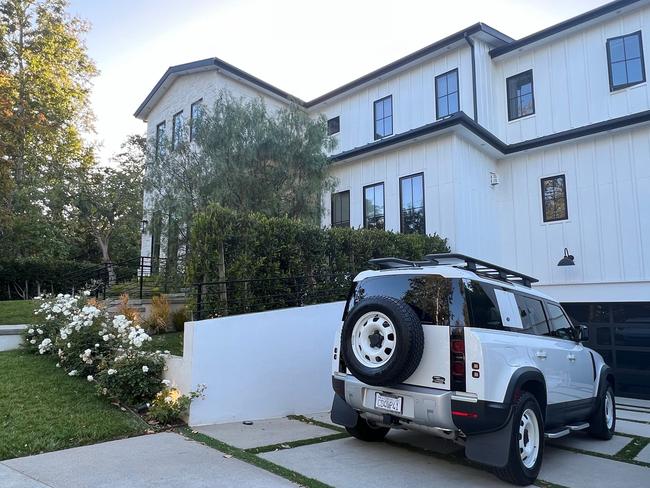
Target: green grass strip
[
  {"x": 632, "y": 450},
  {"x": 250, "y": 458},
  {"x": 311, "y": 421},
  {"x": 292, "y": 444}
]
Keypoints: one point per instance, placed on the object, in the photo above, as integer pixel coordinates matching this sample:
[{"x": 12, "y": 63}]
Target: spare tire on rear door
[{"x": 382, "y": 341}]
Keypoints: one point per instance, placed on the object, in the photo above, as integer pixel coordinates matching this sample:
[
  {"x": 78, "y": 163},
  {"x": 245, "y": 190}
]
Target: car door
[{"x": 570, "y": 356}]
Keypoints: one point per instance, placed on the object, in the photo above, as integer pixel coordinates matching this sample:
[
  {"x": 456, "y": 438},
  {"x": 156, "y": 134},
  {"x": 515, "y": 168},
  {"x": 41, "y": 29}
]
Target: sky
[{"x": 304, "y": 47}]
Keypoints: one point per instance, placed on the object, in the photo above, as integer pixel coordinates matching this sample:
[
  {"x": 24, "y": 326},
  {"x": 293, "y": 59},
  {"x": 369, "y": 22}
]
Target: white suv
[{"x": 466, "y": 350}]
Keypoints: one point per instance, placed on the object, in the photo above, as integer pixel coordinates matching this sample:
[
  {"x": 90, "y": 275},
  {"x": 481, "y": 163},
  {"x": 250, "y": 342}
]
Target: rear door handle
[{"x": 541, "y": 354}]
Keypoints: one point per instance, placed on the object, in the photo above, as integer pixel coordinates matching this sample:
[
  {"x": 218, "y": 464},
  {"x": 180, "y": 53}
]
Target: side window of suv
[
  {"x": 532, "y": 313},
  {"x": 560, "y": 325},
  {"x": 482, "y": 305}
]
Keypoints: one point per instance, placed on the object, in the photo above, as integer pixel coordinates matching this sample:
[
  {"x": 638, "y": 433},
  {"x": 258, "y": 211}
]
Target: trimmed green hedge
[{"x": 257, "y": 246}]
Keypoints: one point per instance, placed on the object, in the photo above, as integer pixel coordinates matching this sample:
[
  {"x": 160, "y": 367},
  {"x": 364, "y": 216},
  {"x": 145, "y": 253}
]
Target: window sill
[
  {"x": 555, "y": 222},
  {"x": 522, "y": 118},
  {"x": 616, "y": 91}
]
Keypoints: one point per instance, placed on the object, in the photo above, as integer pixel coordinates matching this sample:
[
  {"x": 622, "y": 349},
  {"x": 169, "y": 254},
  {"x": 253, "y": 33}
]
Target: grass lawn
[
  {"x": 170, "y": 341},
  {"x": 16, "y": 312},
  {"x": 42, "y": 409}
]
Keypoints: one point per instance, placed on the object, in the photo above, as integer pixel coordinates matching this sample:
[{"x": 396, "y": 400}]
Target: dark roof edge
[
  {"x": 409, "y": 58},
  {"x": 562, "y": 26},
  {"x": 220, "y": 64},
  {"x": 462, "y": 119}
]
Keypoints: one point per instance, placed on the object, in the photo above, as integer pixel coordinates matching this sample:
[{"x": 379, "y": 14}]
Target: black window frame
[
  {"x": 177, "y": 137},
  {"x": 566, "y": 198},
  {"x": 375, "y": 120},
  {"x": 457, "y": 92},
  {"x": 532, "y": 92},
  {"x": 612, "y": 87},
  {"x": 340, "y": 223},
  {"x": 333, "y": 120},
  {"x": 383, "y": 194},
  {"x": 199, "y": 104},
  {"x": 401, "y": 202},
  {"x": 160, "y": 134}
]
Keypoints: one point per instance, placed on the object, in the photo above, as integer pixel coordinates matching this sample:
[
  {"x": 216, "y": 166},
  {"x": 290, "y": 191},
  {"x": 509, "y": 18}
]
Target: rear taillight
[{"x": 457, "y": 358}]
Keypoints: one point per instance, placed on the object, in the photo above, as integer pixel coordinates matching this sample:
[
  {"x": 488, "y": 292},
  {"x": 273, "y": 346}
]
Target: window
[
  {"x": 482, "y": 305},
  {"x": 554, "y": 204},
  {"x": 333, "y": 126},
  {"x": 521, "y": 101},
  {"x": 373, "y": 206},
  {"x": 625, "y": 59},
  {"x": 384, "y": 117},
  {"x": 177, "y": 130},
  {"x": 160, "y": 140},
  {"x": 411, "y": 195},
  {"x": 196, "y": 112},
  {"x": 532, "y": 313},
  {"x": 341, "y": 209},
  {"x": 560, "y": 325},
  {"x": 447, "y": 102}
]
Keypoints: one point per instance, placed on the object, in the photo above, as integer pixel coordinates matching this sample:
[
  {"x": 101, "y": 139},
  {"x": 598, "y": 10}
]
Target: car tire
[
  {"x": 603, "y": 421},
  {"x": 382, "y": 341},
  {"x": 526, "y": 443},
  {"x": 367, "y": 432}
]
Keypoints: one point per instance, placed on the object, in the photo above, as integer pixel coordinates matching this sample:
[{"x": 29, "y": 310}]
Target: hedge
[{"x": 226, "y": 246}]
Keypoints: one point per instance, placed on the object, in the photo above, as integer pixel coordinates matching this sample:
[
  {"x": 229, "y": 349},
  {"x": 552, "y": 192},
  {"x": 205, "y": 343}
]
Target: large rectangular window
[
  {"x": 373, "y": 206},
  {"x": 383, "y": 117},
  {"x": 160, "y": 139},
  {"x": 177, "y": 130},
  {"x": 333, "y": 126},
  {"x": 196, "y": 112},
  {"x": 447, "y": 97},
  {"x": 411, "y": 196},
  {"x": 625, "y": 59},
  {"x": 554, "y": 200},
  {"x": 341, "y": 209},
  {"x": 521, "y": 100}
]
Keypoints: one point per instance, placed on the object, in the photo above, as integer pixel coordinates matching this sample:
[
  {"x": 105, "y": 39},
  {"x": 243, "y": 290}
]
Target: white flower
[
  {"x": 45, "y": 346},
  {"x": 106, "y": 338},
  {"x": 64, "y": 336},
  {"x": 145, "y": 369},
  {"x": 33, "y": 341},
  {"x": 86, "y": 293},
  {"x": 168, "y": 399},
  {"x": 90, "y": 377},
  {"x": 40, "y": 331},
  {"x": 96, "y": 345},
  {"x": 58, "y": 365},
  {"x": 73, "y": 373},
  {"x": 166, "y": 382},
  {"x": 30, "y": 331},
  {"x": 111, "y": 372}
]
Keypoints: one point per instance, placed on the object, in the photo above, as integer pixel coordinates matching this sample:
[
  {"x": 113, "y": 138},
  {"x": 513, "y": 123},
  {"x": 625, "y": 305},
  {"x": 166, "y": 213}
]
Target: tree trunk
[{"x": 106, "y": 259}]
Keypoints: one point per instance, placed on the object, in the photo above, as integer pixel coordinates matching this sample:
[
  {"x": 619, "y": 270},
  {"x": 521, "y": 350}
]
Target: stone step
[{"x": 12, "y": 329}]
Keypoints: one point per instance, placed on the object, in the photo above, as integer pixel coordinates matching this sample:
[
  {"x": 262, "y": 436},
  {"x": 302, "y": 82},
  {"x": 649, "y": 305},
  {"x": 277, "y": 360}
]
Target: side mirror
[{"x": 583, "y": 333}]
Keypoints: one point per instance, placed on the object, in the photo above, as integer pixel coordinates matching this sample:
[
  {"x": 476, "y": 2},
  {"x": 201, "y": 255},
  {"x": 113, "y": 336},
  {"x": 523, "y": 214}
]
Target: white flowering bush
[{"x": 88, "y": 342}]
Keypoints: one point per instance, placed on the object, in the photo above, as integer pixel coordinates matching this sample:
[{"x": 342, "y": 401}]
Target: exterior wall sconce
[
  {"x": 143, "y": 227},
  {"x": 567, "y": 260},
  {"x": 494, "y": 179}
]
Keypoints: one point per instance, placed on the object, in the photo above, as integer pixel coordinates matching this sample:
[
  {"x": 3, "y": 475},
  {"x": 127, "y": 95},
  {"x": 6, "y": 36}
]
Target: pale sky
[{"x": 304, "y": 47}]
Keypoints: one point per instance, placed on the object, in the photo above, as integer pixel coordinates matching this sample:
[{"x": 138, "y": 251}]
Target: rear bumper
[{"x": 428, "y": 407}]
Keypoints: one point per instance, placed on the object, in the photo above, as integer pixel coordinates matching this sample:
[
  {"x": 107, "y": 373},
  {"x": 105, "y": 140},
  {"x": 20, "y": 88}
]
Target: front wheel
[
  {"x": 603, "y": 422},
  {"x": 365, "y": 431},
  {"x": 526, "y": 443}
]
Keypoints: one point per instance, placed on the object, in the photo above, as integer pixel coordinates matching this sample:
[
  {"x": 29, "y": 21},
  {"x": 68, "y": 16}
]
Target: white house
[{"x": 512, "y": 149}]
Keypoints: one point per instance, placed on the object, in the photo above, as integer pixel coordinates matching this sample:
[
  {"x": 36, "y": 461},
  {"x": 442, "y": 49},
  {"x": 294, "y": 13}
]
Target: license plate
[{"x": 390, "y": 403}]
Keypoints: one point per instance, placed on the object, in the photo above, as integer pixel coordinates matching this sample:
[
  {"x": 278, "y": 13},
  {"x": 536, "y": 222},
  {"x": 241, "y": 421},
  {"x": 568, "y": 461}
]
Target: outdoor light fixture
[
  {"x": 144, "y": 226},
  {"x": 567, "y": 260}
]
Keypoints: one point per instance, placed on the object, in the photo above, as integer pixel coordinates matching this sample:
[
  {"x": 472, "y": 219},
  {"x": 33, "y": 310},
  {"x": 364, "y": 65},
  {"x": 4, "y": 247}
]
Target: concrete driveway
[{"x": 310, "y": 451}]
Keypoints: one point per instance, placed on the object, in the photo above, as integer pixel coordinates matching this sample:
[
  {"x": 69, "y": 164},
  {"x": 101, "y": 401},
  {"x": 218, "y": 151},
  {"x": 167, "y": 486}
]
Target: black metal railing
[{"x": 223, "y": 298}]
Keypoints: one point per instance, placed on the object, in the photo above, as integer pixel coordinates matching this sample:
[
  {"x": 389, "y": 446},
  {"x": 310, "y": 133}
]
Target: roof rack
[{"x": 482, "y": 268}]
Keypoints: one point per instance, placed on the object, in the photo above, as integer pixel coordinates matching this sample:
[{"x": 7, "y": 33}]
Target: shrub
[
  {"x": 178, "y": 319},
  {"x": 159, "y": 317},
  {"x": 128, "y": 311},
  {"x": 133, "y": 377},
  {"x": 169, "y": 405}
]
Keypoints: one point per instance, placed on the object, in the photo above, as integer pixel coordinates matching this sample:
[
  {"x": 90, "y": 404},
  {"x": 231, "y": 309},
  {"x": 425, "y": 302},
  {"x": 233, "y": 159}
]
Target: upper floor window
[
  {"x": 384, "y": 117},
  {"x": 333, "y": 126},
  {"x": 177, "y": 129},
  {"x": 411, "y": 195},
  {"x": 625, "y": 59},
  {"x": 196, "y": 112},
  {"x": 554, "y": 201},
  {"x": 341, "y": 209},
  {"x": 160, "y": 136},
  {"x": 373, "y": 206},
  {"x": 447, "y": 101},
  {"x": 521, "y": 101}
]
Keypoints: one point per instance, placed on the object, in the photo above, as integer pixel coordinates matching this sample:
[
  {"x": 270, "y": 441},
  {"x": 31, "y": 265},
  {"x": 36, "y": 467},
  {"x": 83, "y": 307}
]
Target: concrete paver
[
  {"x": 263, "y": 432},
  {"x": 356, "y": 464},
  {"x": 644, "y": 455},
  {"x": 632, "y": 415},
  {"x": 633, "y": 401},
  {"x": 568, "y": 468},
  {"x": 10, "y": 478},
  {"x": 424, "y": 441},
  {"x": 323, "y": 417},
  {"x": 578, "y": 440},
  {"x": 160, "y": 460},
  {"x": 632, "y": 428}
]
